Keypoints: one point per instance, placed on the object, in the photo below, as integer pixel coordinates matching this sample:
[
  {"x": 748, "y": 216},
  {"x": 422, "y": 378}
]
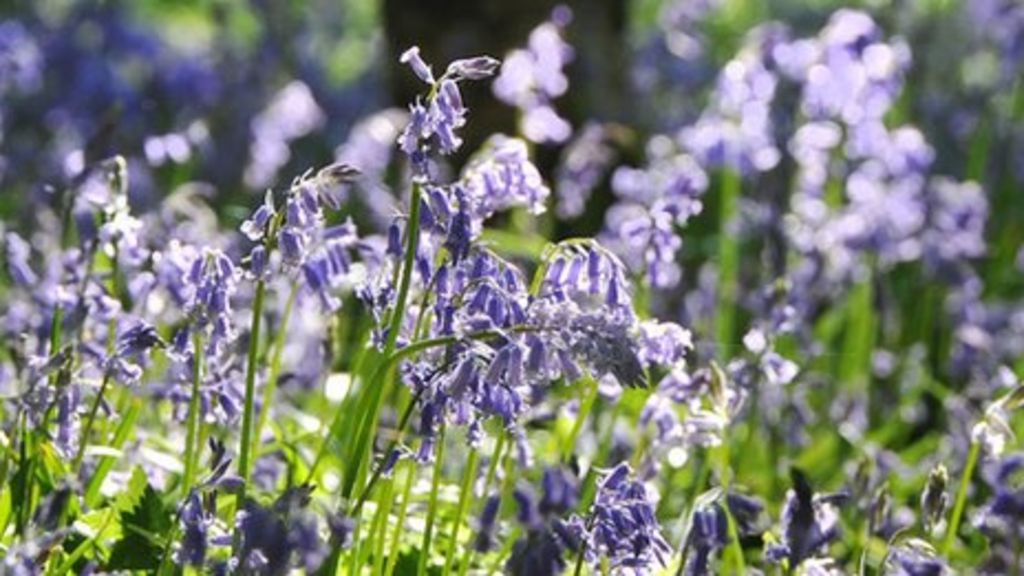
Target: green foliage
[{"x": 145, "y": 523}]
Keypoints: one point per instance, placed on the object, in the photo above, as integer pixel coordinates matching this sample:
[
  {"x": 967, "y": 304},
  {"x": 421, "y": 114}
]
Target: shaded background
[{"x": 187, "y": 90}]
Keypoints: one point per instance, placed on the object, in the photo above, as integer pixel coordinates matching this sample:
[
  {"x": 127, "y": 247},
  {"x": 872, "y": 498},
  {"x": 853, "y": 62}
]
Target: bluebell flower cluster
[
  {"x": 531, "y": 78},
  {"x": 549, "y": 542},
  {"x": 653, "y": 203},
  {"x": 736, "y": 130},
  {"x": 621, "y": 526},
  {"x": 439, "y": 118}
]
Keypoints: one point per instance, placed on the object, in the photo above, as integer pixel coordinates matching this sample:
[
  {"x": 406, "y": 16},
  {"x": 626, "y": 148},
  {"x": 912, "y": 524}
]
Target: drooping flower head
[
  {"x": 810, "y": 522},
  {"x": 438, "y": 119},
  {"x": 622, "y": 527},
  {"x": 318, "y": 253}
]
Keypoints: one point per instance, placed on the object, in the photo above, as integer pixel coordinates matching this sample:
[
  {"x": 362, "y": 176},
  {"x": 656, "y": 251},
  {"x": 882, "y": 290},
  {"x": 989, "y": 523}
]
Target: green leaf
[
  {"x": 133, "y": 491},
  {"x": 145, "y": 522}
]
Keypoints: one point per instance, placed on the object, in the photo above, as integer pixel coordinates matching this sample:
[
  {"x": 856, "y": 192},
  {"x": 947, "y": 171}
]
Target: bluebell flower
[
  {"x": 663, "y": 343},
  {"x": 255, "y": 227},
  {"x": 709, "y": 533},
  {"x": 21, "y": 60},
  {"x": 527, "y": 511},
  {"x": 120, "y": 236},
  {"x": 487, "y": 524},
  {"x": 23, "y": 558},
  {"x": 67, "y": 438},
  {"x": 17, "y": 256},
  {"x": 955, "y": 232},
  {"x": 540, "y": 553},
  {"x": 329, "y": 265},
  {"x": 477, "y": 68},
  {"x": 548, "y": 540},
  {"x": 138, "y": 339},
  {"x": 283, "y": 535},
  {"x": 1000, "y": 518},
  {"x": 560, "y": 491},
  {"x": 132, "y": 348},
  {"x": 412, "y": 58},
  {"x": 858, "y": 75},
  {"x": 320, "y": 255},
  {"x": 934, "y": 499},
  {"x": 460, "y": 230},
  {"x": 342, "y": 529},
  {"x": 579, "y": 322},
  {"x": 264, "y": 538}
]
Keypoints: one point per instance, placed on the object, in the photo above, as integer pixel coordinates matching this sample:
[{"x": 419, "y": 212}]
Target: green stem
[
  {"x": 859, "y": 339},
  {"x": 735, "y": 546},
  {"x": 353, "y": 564},
  {"x": 505, "y": 502},
  {"x": 89, "y": 420},
  {"x": 368, "y": 424},
  {"x": 961, "y": 498},
  {"x": 192, "y": 423},
  {"x": 396, "y": 536},
  {"x": 166, "y": 567},
  {"x": 379, "y": 535},
  {"x": 408, "y": 267},
  {"x": 492, "y": 472},
  {"x": 435, "y": 484},
  {"x": 465, "y": 496},
  {"x": 402, "y": 423},
  {"x": 728, "y": 261},
  {"x": 586, "y": 405},
  {"x": 126, "y": 423},
  {"x": 79, "y": 551},
  {"x": 9, "y": 452},
  {"x": 579, "y": 560},
  {"x": 246, "y": 446},
  {"x": 275, "y": 369}
]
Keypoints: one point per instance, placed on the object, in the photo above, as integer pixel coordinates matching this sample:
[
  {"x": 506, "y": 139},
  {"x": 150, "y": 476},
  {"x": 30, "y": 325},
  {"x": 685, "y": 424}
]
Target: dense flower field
[{"x": 776, "y": 327}]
